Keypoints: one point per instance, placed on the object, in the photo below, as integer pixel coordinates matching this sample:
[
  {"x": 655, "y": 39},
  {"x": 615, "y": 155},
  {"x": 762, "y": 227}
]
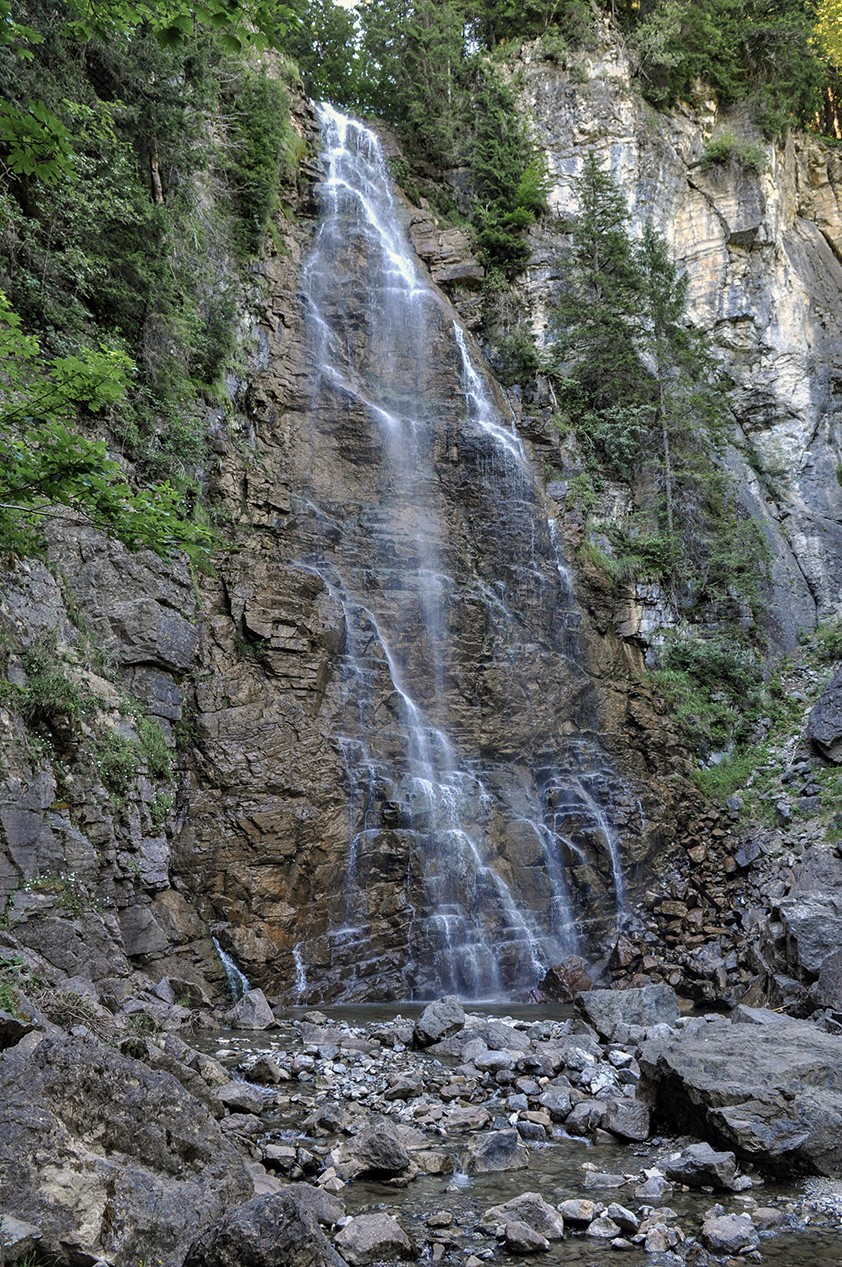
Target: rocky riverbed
[{"x": 446, "y": 1137}]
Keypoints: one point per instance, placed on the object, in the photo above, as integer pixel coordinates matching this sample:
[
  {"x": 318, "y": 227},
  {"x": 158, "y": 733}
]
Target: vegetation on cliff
[{"x": 140, "y": 154}]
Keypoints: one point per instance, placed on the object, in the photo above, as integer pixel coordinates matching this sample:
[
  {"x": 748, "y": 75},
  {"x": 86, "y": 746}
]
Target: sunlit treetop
[{"x": 829, "y": 30}]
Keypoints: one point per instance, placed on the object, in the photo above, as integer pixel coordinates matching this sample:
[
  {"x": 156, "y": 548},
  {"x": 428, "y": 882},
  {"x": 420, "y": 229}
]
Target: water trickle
[
  {"x": 477, "y": 830},
  {"x": 238, "y": 982}
]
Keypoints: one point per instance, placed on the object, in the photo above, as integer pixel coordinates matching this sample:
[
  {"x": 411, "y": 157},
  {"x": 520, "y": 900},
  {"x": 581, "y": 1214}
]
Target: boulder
[
  {"x": 439, "y": 1020},
  {"x": 556, "y": 1100},
  {"x": 520, "y": 1238},
  {"x": 627, "y": 1119},
  {"x": 532, "y": 1209},
  {"x": 240, "y": 1097},
  {"x": 773, "y": 1093},
  {"x": 813, "y": 925},
  {"x": 699, "y": 1166},
  {"x": 824, "y": 726},
  {"x": 577, "y": 1211},
  {"x": 252, "y": 1011},
  {"x": 826, "y": 991},
  {"x": 379, "y": 1150},
  {"x": 281, "y": 1227},
  {"x": 612, "y": 1011},
  {"x": 729, "y": 1234},
  {"x": 496, "y": 1150},
  {"x": 373, "y": 1238},
  {"x": 107, "y": 1156}
]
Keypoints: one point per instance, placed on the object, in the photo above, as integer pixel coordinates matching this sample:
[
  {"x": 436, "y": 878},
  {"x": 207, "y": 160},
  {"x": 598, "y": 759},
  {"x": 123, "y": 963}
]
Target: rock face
[
  {"x": 772, "y": 1092},
  {"x": 108, "y": 1157},
  {"x": 398, "y": 538},
  {"x": 764, "y": 262}
]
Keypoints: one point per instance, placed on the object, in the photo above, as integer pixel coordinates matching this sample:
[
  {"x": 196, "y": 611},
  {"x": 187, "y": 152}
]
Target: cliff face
[
  {"x": 361, "y": 682},
  {"x": 763, "y": 253}
]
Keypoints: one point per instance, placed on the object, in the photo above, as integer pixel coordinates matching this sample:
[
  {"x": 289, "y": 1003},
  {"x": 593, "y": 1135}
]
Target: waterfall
[
  {"x": 238, "y": 982},
  {"x": 479, "y": 842}
]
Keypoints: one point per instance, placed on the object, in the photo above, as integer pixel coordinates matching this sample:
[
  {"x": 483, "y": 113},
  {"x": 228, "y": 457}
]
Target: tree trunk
[{"x": 155, "y": 177}]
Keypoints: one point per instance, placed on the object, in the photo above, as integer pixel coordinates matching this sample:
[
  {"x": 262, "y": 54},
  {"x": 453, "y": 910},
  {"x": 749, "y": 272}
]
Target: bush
[{"x": 727, "y": 147}]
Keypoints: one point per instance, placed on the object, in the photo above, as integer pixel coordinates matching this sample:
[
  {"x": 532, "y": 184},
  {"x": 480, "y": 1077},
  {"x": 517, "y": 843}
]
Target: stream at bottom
[{"x": 343, "y": 1069}]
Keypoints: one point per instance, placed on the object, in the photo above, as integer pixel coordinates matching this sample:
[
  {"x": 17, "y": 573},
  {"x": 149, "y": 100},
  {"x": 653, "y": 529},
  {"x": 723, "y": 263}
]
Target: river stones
[
  {"x": 379, "y": 1150},
  {"x": 371, "y": 1238},
  {"x": 699, "y": 1166},
  {"x": 627, "y": 1119},
  {"x": 520, "y": 1238},
  {"x": 729, "y": 1234},
  {"x": 252, "y": 1011}
]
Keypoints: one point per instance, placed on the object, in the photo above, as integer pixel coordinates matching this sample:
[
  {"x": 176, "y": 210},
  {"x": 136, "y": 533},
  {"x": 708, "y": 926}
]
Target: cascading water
[{"x": 460, "y": 686}]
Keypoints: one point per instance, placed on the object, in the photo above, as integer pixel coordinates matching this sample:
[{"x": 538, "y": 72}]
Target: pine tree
[{"x": 595, "y": 320}]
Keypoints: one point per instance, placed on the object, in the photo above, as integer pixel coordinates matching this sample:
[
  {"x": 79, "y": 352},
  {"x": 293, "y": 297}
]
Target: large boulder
[
  {"x": 700, "y": 1166},
  {"x": 772, "y": 1093},
  {"x": 496, "y": 1150},
  {"x": 439, "y": 1020},
  {"x": 529, "y": 1208},
  {"x": 611, "y": 1012},
  {"x": 379, "y": 1150},
  {"x": 373, "y": 1238},
  {"x": 107, "y": 1157},
  {"x": 252, "y": 1011},
  {"x": 282, "y": 1227}
]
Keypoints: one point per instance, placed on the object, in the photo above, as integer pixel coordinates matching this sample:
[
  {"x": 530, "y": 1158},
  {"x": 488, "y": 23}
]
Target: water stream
[{"x": 481, "y": 843}]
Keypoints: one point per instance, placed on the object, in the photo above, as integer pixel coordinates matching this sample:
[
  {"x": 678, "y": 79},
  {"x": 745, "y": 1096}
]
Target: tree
[
  {"x": 595, "y": 324},
  {"x": 509, "y": 176},
  {"x": 324, "y": 46}
]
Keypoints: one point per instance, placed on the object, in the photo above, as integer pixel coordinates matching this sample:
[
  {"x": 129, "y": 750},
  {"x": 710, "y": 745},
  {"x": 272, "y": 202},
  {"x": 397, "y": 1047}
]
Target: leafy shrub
[
  {"x": 727, "y": 147},
  {"x": 116, "y": 760}
]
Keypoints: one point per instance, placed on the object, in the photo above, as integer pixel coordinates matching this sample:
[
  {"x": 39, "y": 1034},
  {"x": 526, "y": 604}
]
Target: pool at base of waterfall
[{"x": 449, "y": 1138}]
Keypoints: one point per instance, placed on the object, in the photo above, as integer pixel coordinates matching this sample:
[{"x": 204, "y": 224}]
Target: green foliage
[
  {"x": 324, "y": 48},
  {"x": 260, "y": 136},
  {"x": 154, "y": 748},
  {"x": 760, "y": 51},
  {"x": 160, "y": 808},
  {"x": 828, "y": 638},
  {"x": 236, "y": 23},
  {"x": 712, "y": 687},
  {"x": 116, "y": 760},
  {"x": 413, "y": 72},
  {"x": 727, "y": 147},
  {"x": 35, "y": 142},
  {"x": 640, "y": 386},
  {"x": 510, "y": 179}
]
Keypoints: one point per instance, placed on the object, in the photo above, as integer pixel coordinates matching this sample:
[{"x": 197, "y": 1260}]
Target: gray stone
[
  {"x": 439, "y": 1020},
  {"x": 269, "y": 1230},
  {"x": 522, "y": 1239},
  {"x": 252, "y": 1011},
  {"x": 239, "y": 1097},
  {"x": 107, "y": 1156},
  {"x": 13, "y": 1029},
  {"x": 380, "y": 1150},
  {"x": 371, "y": 1238},
  {"x": 813, "y": 924},
  {"x": 625, "y": 1219},
  {"x": 556, "y": 1100},
  {"x": 628, "y": 1119},
  {"x": 826, "y": 991},
  {"x": 577, "y": 1211},
  {"x": 609, "y": 1010},
  {"x": 773, "y": 1092},
  {"x": 699, "y": 1166},
  {"x": 603, "y": 1228},
  {"x": 532, "y": 1209},
  {"x": 142, "y": 934},
  {"x": 17, "y": 1237},
  {"x": 729, "y": 1234},
  {"x": 496, "y": 1150}
]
